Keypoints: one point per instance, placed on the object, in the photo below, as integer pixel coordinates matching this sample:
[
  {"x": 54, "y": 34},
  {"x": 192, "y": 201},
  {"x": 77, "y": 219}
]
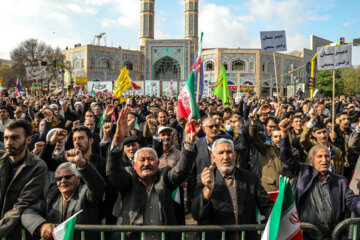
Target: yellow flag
[{"x": 122, "y": 83}]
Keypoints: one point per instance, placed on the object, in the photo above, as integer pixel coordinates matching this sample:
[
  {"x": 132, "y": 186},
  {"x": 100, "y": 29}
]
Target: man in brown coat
[{"x": 22, "y": 177}]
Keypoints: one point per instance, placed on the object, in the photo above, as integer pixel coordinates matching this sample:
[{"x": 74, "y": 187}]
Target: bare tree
[{"x": 32, "y": 50}]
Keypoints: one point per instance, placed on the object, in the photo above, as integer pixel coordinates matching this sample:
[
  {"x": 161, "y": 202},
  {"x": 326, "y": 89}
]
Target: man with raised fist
[
  {"x": 316, "y": 188},
  {"x": 67, "y": 197}
]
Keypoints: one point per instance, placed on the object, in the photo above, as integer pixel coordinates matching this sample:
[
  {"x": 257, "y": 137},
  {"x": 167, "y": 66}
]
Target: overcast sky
[{"x": 225, "y": 23}]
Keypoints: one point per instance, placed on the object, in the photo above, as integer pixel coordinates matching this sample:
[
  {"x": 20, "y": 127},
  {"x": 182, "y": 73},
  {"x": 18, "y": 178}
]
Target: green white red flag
[
  {"x": 186, "y": 101},
  {"x": 65, "y": 231},
  {"x": 284, "y": 223}
]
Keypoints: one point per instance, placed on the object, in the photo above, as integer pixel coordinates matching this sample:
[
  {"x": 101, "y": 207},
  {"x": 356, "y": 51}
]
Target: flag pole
[
  {"x": 276, "y": 79},
  {"x": 198, "y": 87},
  {"x": 333, "y": 103}
]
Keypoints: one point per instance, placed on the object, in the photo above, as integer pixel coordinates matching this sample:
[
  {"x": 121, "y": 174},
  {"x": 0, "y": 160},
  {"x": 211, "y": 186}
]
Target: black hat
[{"x": 131, "y": 139}]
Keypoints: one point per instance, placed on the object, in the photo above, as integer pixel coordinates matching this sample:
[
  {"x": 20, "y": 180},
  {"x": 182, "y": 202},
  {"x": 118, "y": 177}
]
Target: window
[
  {"x": 76, "y": 63},
  {"x": 252, "y": 67},
  {"x": 238, "y": 65},
  {"x": 270, "y": 67},
  {"x": 117, "y": 65},
  {"x": 226, "y": 66},
  {"x": 263, "y": 67},
  {"x": 151, "y": 7},
  {"x": 209, "y": 66},
  {"x": 82, "y": 63},
  {"x": 191, "y": 5},
  {"x": 129, "y": 65},
  {"x": 92, "y": 62},
  {"x": 146, "y": 6},
  {"x": 196, "y": 25},
  {"x": 105, "y": 64},
  {"x": 146, "y": 24},
  {"x": 150, "y": 25},
  {"x": 196, "y": 6},
  {"x": 191, "y": 24},
  {"x": 186, "y": 25}
]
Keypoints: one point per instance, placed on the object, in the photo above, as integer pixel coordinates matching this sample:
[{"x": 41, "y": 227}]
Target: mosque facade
[{"x": 162, "y": 66}]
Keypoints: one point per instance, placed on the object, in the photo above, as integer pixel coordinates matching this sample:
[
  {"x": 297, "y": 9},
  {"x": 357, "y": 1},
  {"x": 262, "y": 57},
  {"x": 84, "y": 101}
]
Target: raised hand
[
  {"x": 253, "y": 118},
  {"x": 191, "y": 136},
  {"x": 48, "y": 114},
  {"x": 59, "y": 135},
  {"x": 208, "y": 180},
  {"x": 75, "y": 156},
  {"x": 122, "y": 126},
  {"x": 107, "y": 128},
  {"x": 313, "y": 115},
  {"x": 332, "y": 136},
  {"x": 109, "y": 111},
  {"x": 68, "y": 123},
  {"x": 76, "y": 123},
  {"x": 284, "y": 126},
  {"x": 39, "y": 147}
]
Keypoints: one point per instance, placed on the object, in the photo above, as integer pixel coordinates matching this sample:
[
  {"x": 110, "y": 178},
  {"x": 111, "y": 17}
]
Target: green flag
[{"x": 221, "y": 88}]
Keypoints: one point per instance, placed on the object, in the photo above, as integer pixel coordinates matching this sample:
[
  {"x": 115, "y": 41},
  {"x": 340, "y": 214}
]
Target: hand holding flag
[
  {"x": 65, "y": 231},
  {"x": 284, "y": 220}
]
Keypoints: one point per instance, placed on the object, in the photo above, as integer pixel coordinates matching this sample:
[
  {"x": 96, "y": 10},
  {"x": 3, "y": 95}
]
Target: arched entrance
[{"x": 167, "y": 68}]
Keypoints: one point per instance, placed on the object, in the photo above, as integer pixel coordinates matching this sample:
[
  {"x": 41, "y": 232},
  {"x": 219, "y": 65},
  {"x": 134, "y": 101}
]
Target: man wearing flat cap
[{"x": 131, "y": 145}]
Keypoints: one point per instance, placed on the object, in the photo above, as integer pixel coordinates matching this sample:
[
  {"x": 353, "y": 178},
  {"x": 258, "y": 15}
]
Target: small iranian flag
[
  {"x": 176, "y": 195},
  {"x": 65, "y": 231},
  {"x": 186, "y": 104},
  {"x": 284, "y": 223}
]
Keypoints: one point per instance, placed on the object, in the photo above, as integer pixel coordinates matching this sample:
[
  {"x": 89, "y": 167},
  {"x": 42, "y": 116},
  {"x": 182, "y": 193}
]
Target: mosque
[{"x": 162, "y": 66}]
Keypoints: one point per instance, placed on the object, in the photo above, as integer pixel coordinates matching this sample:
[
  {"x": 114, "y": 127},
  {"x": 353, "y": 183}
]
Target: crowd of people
[{"x": 136, "y": 163}]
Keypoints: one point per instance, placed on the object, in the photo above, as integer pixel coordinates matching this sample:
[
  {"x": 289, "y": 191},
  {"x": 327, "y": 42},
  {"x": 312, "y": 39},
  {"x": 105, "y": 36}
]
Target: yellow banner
[
  {"x": 81, "y": 80},
  {"x": 1, "y": 80},
  {"x": 123, "y": 99},
  {"x": 122, "y": 83}
]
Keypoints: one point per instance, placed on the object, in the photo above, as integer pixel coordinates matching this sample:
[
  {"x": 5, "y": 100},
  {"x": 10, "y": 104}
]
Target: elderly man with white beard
[{"x": 226, "y": 194}]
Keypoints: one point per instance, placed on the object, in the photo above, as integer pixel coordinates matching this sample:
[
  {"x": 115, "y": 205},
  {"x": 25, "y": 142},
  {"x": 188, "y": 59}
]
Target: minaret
[
  {"x": 191, "y": 25},
  {"x": 146, "y": 20}
]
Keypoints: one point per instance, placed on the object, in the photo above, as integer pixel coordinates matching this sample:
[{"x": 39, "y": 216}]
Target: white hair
[
  {"x": 146, "y": 149},
  {"x": 208, "y": 119},
  {"x": 69, "y": 165},
  {"x": 316, "y": 148},
  {"x": 220, "y": 141}
]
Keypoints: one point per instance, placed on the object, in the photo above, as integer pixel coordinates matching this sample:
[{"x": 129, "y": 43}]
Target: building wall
[
  {"x": 177, "y": 49},
  {"x": 99, "y": 63}
]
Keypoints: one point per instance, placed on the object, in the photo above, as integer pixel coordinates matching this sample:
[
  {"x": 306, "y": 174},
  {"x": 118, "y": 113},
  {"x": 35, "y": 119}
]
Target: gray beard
[
  {"x": 227, "y": 170},
  {"x": 57, "y": 155}
]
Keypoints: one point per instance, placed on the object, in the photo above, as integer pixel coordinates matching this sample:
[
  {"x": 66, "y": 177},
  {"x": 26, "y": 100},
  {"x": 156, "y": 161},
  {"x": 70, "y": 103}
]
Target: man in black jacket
[
  {"x": 228, "y": 195},
  {"x": 146, "y": 191}
]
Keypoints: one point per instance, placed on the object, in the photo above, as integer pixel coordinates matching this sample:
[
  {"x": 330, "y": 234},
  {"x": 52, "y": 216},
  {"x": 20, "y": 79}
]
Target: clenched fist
[
  {"x": 59, "y": 135},
  {"x": 253, "y": 118},
  {"x": 75, "y": 156}
]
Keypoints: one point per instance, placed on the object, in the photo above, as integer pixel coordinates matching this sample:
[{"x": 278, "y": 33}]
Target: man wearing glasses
[
  {"x": 203, "y": 160},
  {"x": 67, "y": 197}
]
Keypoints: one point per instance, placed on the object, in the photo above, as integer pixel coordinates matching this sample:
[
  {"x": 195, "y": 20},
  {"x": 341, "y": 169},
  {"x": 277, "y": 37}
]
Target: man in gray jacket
[
  {"x": 22, "y": 177},
  {"x": 67, "y": 198},
  {"x": 146, "y": 191}
]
